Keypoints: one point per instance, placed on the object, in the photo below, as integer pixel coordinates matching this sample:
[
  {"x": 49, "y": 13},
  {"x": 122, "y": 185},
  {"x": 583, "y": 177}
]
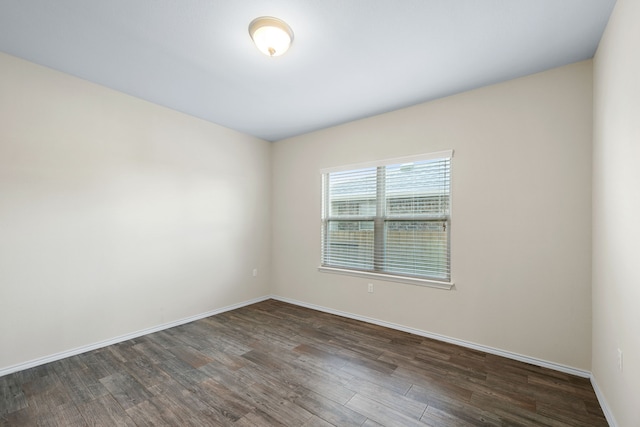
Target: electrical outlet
[
  {"x": 370, "y": 288},
  {"x": 619, "y": 360},
  {"x": 255, "y": 272}
]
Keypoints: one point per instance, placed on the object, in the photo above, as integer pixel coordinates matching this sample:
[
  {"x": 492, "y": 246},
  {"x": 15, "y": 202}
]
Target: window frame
[{"x": 379, "y": 220}]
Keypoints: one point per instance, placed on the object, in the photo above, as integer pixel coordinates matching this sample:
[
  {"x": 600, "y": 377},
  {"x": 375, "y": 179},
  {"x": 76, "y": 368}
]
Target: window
[{"x": 389, "y": 218}]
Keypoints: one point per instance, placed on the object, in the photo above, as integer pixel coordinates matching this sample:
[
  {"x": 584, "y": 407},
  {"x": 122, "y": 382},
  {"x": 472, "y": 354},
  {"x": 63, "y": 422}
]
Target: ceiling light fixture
[{"x": 271, "y": 35}]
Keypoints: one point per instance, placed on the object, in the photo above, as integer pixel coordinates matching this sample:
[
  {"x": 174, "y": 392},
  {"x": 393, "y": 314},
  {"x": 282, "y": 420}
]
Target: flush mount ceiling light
[{"x": 271, "y": 35}]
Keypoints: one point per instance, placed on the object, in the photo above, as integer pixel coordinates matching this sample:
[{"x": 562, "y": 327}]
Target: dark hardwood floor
[{"x": 274, "y": 363}]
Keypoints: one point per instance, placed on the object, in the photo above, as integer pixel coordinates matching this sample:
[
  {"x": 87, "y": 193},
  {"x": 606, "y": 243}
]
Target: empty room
[{"x": 319, "y": 213}]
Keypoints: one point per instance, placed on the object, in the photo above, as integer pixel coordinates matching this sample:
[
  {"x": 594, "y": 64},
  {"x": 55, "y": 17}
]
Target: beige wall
[
  {"x": 118, "y": 215},
  {"x": 521, "y": 225},
  {"x": 616, "y": 213}
]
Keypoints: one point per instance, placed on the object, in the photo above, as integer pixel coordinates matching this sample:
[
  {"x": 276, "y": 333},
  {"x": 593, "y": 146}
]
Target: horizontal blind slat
[{"x": 414, "y": 214}]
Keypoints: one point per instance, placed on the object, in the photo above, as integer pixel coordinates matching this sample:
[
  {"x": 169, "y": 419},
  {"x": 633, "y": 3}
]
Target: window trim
[
  {"x": 431, "y": 283},
  {"x": 387, "y": 162},
  {"x": 427, "y": 282}
]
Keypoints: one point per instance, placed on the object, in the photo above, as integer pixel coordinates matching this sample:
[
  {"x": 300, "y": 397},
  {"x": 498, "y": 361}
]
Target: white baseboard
[
  {"x": 603, "y": 403},
  {"x": 462, "y": 343},
  {"x": 510, "y": 355},
  {"x": 111, "y": 341}
]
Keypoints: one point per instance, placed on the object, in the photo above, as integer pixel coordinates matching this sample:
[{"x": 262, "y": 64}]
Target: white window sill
[{"x": 389, "y": 277}]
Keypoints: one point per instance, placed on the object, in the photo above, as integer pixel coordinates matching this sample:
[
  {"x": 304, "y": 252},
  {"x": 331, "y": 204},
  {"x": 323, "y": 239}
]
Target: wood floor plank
[
  {"x": 67, "y": 415},
  {"x": 197, "y": 412},
  {"x": 12, "y": 397},
  {"x": 398, "y": 385},
  {"x": 190, "y": 355},
  {"x": 182, "y": 371},
  {"x": 330, "y": 411},
  {"x": 155, "y": 412},
  {"x": 380, "y": 413},
  {"x": 104, "y": 411},
  {"x": 126, "y": 390},
  {"x": 47, "y": 392},
  {"x": 460, "y": 412},
  {"x": 258, "y": 418},
  {"x": 272, "y": 402},
  {"x": 439, "y": 390},
  {"x": 317, "y": 422},
  {"x": 570, "y": 416},
  {"x": 230, "y": 361},
  {"x": 330, "y": 386},
  {"x": 371, "y": 423},
  {"x": 272, "y": 364},
  {"x": 21, "y": 417},
  {"x": 399, "y": 402},
  {"x": 146, "y": 372},
  {"x": 514, "y": 416},
  {"x": 152, "y": 351},
  {"x": 220, "y": 397},
  {"x": 82, "y": 384}
]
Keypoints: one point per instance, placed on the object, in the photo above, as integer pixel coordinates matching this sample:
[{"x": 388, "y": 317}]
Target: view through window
[{"x": 389, "y": 218}]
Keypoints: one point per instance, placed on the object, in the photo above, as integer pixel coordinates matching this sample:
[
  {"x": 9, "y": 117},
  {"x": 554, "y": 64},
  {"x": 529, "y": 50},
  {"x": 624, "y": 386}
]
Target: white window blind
[{"x": 389, "y": 218}]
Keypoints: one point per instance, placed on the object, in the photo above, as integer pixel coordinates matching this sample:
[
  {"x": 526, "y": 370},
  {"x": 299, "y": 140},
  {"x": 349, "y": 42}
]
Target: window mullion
[
  {"x": 378, "y": 223},
  {"x": 326, "y": 207}
]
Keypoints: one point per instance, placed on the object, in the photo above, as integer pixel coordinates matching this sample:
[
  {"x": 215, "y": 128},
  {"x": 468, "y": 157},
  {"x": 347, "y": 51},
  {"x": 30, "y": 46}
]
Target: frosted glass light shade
[{"x": 272, "y": 36}]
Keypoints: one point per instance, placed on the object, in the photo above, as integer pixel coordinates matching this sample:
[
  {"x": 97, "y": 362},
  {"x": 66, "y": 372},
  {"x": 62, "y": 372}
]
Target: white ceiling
[{"x": 349, "y": 59}]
